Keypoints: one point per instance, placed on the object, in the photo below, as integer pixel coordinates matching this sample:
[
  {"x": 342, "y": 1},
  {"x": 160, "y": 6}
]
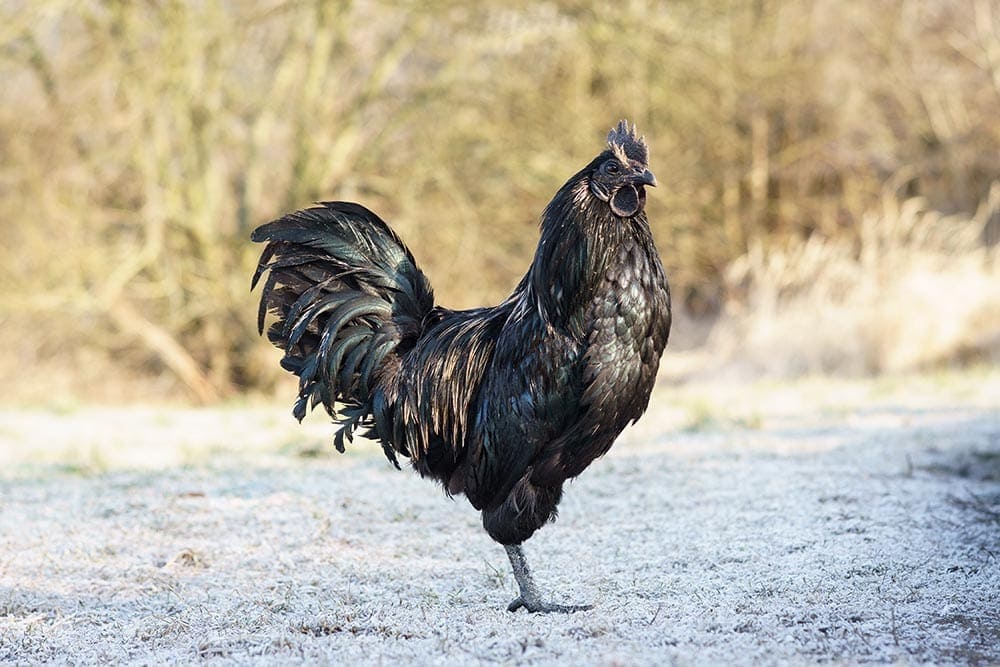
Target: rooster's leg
[{"x": 530, "y": 598}]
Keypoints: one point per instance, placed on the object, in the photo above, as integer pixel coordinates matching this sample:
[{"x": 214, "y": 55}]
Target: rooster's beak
[{"x": 646, "y": 178}]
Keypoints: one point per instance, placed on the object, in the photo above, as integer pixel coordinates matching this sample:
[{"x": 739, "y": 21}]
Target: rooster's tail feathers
[{"x": 346, "y": 293}]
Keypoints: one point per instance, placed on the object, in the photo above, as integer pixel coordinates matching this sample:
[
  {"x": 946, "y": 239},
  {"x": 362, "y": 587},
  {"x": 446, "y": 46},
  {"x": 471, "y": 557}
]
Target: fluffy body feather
[{"x": 501, "y": 404}]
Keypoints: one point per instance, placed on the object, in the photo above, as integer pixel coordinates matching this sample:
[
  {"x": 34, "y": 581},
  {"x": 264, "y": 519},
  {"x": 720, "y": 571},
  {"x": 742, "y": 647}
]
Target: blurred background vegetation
[{"x": 829, "y": 173}]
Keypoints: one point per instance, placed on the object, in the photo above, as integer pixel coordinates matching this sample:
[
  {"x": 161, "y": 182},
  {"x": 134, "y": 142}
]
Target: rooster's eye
[{"x": 611, "y": 167}]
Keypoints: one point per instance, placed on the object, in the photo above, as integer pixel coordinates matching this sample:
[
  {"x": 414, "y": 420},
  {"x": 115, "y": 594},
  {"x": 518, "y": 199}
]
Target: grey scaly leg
[{"x": 530, "y": 598}]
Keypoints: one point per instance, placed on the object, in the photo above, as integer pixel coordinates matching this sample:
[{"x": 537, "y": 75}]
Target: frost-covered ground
[{"x": 805, "y": 522}]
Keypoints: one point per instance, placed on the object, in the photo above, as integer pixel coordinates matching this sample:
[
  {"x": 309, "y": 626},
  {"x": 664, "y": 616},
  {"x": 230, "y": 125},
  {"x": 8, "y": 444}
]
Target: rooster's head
[{"x": 619, "y": 175}]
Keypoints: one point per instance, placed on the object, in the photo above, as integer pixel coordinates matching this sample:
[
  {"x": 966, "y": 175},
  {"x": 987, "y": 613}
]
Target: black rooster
[{"x": 503, "y": 404}]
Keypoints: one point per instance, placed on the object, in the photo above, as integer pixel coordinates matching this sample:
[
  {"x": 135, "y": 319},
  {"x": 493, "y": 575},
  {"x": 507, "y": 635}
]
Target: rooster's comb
[{"x": 625, "y": 142}]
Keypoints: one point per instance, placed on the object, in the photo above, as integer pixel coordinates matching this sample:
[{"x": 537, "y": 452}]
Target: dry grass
[{"x": 917, "y": 290}]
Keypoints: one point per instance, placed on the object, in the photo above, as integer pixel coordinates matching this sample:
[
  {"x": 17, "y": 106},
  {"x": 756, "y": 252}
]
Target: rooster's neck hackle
[{"x": 578, "y": 235}]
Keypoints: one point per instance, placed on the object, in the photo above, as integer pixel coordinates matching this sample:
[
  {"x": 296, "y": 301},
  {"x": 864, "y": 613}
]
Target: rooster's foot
[
  {"x": 535, "y": 606},
  {"x": 530, "y": 598}
]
